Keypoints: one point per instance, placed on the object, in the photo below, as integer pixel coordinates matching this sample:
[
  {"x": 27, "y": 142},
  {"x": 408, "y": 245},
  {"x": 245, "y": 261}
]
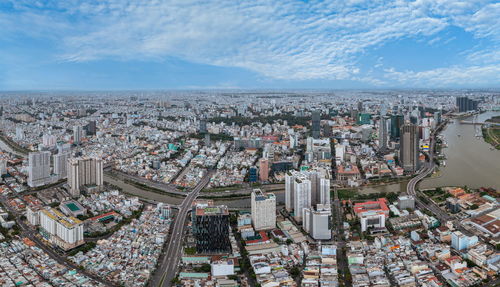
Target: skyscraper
[
  {"x": 38, "y": 168},
  {"x": 396, "y": 122},
  {"x": 84, "y": 172},
  {"x": 263, "y": 210},
  {"x": 211, "y": 229},
  {"x": 203, "y": 126},
  {"x": 408, "y": 148},
  {"x": 316, "y": 124},
  {"x": 464, "y": 104},
  {"x": 77, "y": 134},
  {"x": 91, "y": 128},
  {"x": 382, "y": 133}
]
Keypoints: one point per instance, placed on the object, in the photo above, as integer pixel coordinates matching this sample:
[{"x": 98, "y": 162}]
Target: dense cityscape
[{"x": 250, "y": 188}]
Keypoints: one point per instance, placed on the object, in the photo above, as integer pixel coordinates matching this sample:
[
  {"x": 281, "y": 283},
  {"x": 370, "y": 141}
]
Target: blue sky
[{"x": 189, "y": 44}]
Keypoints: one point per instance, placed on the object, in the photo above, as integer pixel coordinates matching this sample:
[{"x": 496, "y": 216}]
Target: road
[{"x": 168, "y": 266}]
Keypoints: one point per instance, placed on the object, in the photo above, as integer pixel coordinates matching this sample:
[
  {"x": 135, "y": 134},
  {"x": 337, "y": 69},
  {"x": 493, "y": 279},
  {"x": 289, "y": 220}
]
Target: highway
[{"x": 168, "y": 266}]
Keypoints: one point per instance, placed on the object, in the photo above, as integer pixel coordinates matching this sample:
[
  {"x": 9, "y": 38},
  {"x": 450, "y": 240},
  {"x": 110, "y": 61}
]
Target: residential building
[
  {"x": 65, "y": 232},
  {"x": 84, "y": 172},
  {"x": 317, "y": 222},
  {"x": 38, "y": 168},
  {"x": 263, "y": 210}
]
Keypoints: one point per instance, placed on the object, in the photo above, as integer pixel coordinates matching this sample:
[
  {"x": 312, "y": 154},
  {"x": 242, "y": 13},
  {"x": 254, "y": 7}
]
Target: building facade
[{"x": 263, "y": 210}]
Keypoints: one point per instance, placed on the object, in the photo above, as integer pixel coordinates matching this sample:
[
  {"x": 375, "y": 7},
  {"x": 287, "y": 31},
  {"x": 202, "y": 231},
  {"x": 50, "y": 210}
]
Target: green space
[
  {"x": 438, "y": 194},
  {"x": 83, "y": 248},
  {"x": 13, "y": 145},
  {"x": 491, "y": 135},
  {"x": 355, "y": 195},
  {"x": 223, "y": 188}
]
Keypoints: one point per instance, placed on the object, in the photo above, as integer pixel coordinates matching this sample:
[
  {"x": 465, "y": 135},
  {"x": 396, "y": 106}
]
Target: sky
[{"x": 248, "y": 44}]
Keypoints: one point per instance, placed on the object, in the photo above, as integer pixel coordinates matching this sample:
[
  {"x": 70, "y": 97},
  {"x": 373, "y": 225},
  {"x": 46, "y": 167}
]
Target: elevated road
[{"x": 168, "y": 266}]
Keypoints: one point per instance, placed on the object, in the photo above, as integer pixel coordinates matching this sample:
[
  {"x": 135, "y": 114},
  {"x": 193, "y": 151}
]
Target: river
[{"x": 470, "y": 161}]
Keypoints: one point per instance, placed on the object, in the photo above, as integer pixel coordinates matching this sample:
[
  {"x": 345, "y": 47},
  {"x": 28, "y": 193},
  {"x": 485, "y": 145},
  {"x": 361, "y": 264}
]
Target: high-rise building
[
  {"x": 264, "y": 169},
  {"x": 63, "y": 231},
  {"x": 382, "y": 133},
  {"x": 38, "y": 168},
  {"x": 63, "y": 148},
  {"x": 316, "y": 184},
  {"x": 203, "y": 126},
  {"x": 263, "y": 210},
  {"x": 408, "y": 148},
  {"x": 61, "y": 165},
  {"x": 317, "y": 222},
  {"x": 211, "y": 229},
  {"x": 396, "y": 122},
  {"x": 316, "y": 124},
  {"x": 302, "y": 196},
  {"x": 91, "y": 128},
  {"x": 84, "y": 172},
  {"x": 464, "y": 104},
  {"x": 77, "y": 134},
  {"x": 252, "y": 174}
]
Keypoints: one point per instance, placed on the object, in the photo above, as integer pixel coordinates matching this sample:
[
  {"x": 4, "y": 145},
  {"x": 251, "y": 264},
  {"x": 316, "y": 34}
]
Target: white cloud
[{"x": 284, "y": 40}]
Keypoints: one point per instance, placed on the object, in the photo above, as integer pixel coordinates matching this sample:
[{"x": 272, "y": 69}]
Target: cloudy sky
[{"x": 188, "y": 44}]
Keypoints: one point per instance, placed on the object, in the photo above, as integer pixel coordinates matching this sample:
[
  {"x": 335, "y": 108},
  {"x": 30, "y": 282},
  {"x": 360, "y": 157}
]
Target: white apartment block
[
  {"x": 263, "y": 210},
  {"x": 65, "y": 232}
]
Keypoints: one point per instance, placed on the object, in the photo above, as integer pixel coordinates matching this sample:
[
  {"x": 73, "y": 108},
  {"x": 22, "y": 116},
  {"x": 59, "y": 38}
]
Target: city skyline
[{"x": 110, "y": 45}]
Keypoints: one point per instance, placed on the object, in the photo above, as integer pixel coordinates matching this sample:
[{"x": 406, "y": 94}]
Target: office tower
[
  {"x": 355, "y": 115},
  {"x": 437, "y": 117},
  {"x": 316, "y": 124},
  {"x": 324, "y": 190},
  {"x": 382, "y": 134},
  {"x": 264, "y": 169},
  {"x": 408, "y": 148},
  {"x": 63, "y": 231},
  {"x": 263, "y": 210},
  {"x": 396, "y": 122},
  {"x": 203, "y": 126},
  {"x": 38, "y": 168},
  {"x": 3, "y": 166},
  {"x": 302, "y": 195},
  {"x": 84, "y": 172},
  {"x": 364, "y": 119},
  {"x": 61, "y": 165},
  {"x": 91, "y": 128},
  {"x": 252, "y": 174},
  {"x": 211, "y": 229},
  {"x": 77, "y": 134},
  {"x": 317, "y": 222}
]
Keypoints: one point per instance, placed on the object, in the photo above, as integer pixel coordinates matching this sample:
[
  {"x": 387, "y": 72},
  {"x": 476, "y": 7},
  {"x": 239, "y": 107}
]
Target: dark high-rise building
[
  {"x": 408, "y": 148},
  {"x": 203, "y": 126},
  {"x": 360, "y": 106},
  {"x": 91, "y": 128},
  {"x": 464, "y": 104},
  {"x": 396, "y": 123},
  {"x": 316, "y": 124},
  {"x": 253, "y": 174},
  {"x": 211, "y": 229}
]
